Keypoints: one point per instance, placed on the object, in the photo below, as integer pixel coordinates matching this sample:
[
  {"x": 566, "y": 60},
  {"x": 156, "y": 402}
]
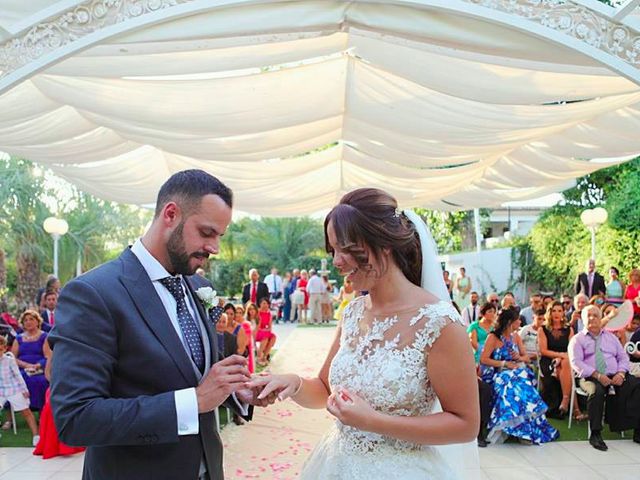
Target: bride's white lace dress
[{"x": 383, "y": 362}]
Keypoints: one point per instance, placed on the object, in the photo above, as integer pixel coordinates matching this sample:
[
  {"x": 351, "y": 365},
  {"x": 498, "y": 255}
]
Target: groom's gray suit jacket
[{"x": 117, "y": 362}]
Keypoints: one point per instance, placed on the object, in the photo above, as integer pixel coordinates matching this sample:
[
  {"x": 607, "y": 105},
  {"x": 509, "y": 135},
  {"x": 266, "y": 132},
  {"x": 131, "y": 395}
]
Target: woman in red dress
[
  {"x": 49, "y": 445},
  {"x": 265, "y": 336},
  {"x": 302, "y": 286},
  {"x": 633, "y": 290}
]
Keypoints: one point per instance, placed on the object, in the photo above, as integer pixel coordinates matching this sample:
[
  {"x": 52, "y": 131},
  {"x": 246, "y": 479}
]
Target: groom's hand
[{"x": 225, "y": 377}]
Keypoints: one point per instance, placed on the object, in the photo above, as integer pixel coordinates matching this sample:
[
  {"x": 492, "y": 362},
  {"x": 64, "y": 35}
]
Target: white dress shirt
[
  {"x": 315, "y": 285},
  {"x": 467, "y": 314},
  {"x": 273, "y": 282}
]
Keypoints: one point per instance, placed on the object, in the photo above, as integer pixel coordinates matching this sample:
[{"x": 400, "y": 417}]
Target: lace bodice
[{"x": 384, "y": 362}]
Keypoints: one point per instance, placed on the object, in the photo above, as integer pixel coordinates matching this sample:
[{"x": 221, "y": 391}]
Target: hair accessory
[{"x": 397, "y": 213}]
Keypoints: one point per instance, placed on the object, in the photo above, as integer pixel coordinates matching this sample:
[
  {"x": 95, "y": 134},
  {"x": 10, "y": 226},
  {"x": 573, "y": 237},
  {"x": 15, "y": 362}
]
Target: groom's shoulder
[{"x": 101, "y": 274}]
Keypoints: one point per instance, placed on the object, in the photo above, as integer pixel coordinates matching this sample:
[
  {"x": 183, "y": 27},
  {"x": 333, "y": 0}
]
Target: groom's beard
[{"x": 178, "y": 255}]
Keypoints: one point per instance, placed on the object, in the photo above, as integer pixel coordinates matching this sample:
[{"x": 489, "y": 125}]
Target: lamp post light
[
  {"x": 592, "y": 219},
  {"x": 56, "y": 227}
]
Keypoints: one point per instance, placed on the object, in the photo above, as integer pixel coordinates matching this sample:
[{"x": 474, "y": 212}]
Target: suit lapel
[
  {"x": 205, "y": 319},
  {"x": 150, "y": 307}
]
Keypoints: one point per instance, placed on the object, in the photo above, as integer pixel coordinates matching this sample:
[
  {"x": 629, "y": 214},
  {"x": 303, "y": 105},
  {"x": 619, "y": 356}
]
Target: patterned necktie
[
  {"x": 601, "y": 363},
  {"x": 186, "y": 321}
]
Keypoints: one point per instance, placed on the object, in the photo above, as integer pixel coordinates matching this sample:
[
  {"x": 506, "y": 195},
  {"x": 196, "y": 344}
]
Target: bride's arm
[
  {"x": 306, "y": 392},
  {"x": 451, "y": 371}
]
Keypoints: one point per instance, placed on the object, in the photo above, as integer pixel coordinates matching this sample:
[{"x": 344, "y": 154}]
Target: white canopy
[{"x": 446, "y": 104}]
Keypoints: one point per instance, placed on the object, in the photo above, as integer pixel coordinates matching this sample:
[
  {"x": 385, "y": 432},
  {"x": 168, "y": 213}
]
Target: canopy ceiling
[{"x": 293, "y": 103}]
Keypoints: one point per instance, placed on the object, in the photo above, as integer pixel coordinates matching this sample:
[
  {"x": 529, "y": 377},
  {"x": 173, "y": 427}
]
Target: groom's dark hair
[{"x": 187, "y": 188}]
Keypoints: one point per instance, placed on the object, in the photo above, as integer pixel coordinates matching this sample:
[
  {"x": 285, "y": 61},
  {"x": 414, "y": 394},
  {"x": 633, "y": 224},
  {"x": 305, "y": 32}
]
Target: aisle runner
[{"x": 276, "y": 443}]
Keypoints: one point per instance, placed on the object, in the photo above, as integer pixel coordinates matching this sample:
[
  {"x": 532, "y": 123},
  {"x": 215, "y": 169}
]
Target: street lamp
[
  {"x": 56, "y": 227},
  {"x": 592, "y": 219}
]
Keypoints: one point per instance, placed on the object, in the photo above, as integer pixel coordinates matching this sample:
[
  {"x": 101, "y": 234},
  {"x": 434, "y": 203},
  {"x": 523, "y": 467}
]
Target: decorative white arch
[{"x": 447, "y": 103}]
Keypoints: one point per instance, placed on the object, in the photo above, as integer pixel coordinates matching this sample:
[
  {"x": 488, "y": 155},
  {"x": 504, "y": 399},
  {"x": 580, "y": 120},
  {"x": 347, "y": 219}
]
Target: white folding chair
[{"x": 576, "y": 390}]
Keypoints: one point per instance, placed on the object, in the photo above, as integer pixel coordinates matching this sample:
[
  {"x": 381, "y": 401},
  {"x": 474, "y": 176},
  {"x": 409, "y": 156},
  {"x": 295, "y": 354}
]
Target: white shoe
[{"x": 36, "y": 440}]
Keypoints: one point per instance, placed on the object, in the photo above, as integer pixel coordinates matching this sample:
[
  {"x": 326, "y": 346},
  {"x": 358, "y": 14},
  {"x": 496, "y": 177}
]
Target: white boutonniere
[{"x": 208, "y": 296}]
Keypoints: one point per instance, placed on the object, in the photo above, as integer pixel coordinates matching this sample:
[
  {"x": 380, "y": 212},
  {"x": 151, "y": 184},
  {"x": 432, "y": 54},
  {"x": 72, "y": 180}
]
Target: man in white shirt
[
  {"x": 315, "y": 289},
  {"x": 137, "y": 377},
  {"x": 471, "y": 313},
  {"x": 274, "y": 284}
]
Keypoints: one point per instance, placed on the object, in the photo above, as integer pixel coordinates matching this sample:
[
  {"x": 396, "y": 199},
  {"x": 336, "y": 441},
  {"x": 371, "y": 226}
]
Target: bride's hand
[
  {"x": 284, "y": 386},
  {"x": 351, "y": 410}
]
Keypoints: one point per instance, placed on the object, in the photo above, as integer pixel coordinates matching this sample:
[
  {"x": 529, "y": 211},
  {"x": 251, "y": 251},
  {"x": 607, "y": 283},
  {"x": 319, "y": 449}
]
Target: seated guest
[
  {"x": 518, "y": 410},
  {"x": 29, "y": 352},
  {"x": 529, "y": 312},
  {"x": 13, "y": 389},
  {"x": 227, "y": 344},
  {"x": 508, "y": 301},
  {"x": 553, "y": 341},
  {"x": 575, "y": 317},
  {"x": 603, "y": 366},
  {"x": 235, "y": 328},
  {"x": 50, "y": 445},
  {"x": 265, "y": 336},
  {"x": 625, "y": 333},
  {"x": 633, "y": 349},
  {"x": 479, "y": 329},
  {"x": 529, "y": 333},
  {"x": 250, "y": 348}
]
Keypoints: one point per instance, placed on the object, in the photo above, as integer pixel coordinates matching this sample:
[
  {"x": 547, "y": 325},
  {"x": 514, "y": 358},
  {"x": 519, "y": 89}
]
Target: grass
[
  {"x": 23, "y": 438},
  {"x": 578, "y": 431},
  {"x": 319, "y": 325}
]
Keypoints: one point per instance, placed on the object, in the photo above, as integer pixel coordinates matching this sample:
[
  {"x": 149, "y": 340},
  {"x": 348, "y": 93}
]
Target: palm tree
[
  {"x": 283, "y": 241},
  {"x": 22, "y": 213}
]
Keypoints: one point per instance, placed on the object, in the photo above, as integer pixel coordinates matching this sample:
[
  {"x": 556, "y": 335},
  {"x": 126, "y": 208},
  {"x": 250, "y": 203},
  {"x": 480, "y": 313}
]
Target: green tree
[{"x": 22, "y": 212}]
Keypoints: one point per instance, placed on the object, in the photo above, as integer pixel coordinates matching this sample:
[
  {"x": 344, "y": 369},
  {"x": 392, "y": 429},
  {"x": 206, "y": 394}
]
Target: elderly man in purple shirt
[{"x": 597, "y": 356}]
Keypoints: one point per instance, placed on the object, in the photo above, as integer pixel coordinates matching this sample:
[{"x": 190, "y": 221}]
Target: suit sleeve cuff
[
  {"x": 187, "y": 411},
  {"x": 243, "y": 407}
]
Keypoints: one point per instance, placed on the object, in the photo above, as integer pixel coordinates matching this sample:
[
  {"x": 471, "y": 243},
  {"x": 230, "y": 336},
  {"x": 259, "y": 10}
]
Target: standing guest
[
  {"x": 480, "y": 329},
  {"x": 255, "y": 289},
  {"x": 462, "y": 289},
  {"x": 52, "y": 285},
  {"x": 301, "y": 287},
  {"x": 347, "y": 293},
  {"x": 295, "y": 278},
  {"x": 274, "y": 284},
  {"x": 575, "y": 319},
  {"x": 287, "y": 291},
  {"x": 448, "y": 283},
  {"x": 13, "y": 388},
  {"x": 265, "y": 335},
  {"x": 315, "y": 290},
  {"x": 603, "y": 366},
  {"x": 529, "y": 333},
  {"x": 248, "y": 332},
  {"x": 471, "y": 312},
  {"x": 590, "y": 282},
  {"x": 553, "y": 342},
  {"x": 632, "y": 291},
  {"x": 48, "y": 314},
  {"x": 518, "y": 410},
  {"x": 535, "y": 303},
  {"x": 615, "y": 288},
  {"x": 326, "y": 300},
  {"x": 28, "y": 349}
]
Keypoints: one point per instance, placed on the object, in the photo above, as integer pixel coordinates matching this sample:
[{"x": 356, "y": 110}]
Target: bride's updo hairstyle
[{"x": 369, "y": 217}]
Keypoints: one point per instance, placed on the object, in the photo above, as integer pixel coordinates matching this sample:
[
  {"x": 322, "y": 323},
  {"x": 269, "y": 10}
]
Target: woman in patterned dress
[
  {"x": 398, "y": 351},
  {"x": 518, "y": 410}
]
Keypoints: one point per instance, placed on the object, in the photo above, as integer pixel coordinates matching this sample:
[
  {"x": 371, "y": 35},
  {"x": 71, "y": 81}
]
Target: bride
[{"x": 398, "y": 350}]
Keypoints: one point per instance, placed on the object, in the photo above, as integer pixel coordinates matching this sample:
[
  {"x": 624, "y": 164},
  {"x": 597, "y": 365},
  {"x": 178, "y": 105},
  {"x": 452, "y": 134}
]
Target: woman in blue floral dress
[{"x": 518, "y": 410}]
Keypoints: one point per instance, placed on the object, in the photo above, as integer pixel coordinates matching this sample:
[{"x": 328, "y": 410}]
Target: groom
[{"x": 136, "y": 376}]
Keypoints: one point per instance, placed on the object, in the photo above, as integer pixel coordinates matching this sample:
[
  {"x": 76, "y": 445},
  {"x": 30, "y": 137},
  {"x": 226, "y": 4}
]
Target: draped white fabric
[{"x": 442, "y": 110}]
